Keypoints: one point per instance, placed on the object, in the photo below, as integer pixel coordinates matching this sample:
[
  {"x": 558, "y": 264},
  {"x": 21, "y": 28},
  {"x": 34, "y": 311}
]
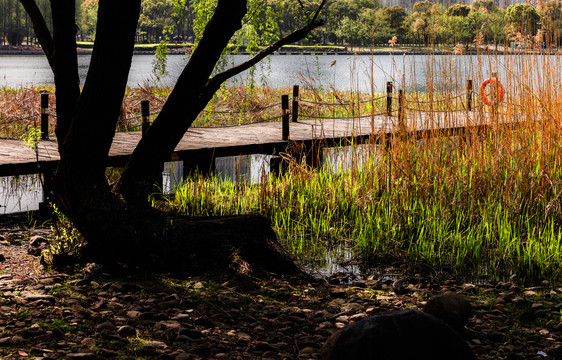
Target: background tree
[
  {"x": 425, "y": 20},
  {"x": 496, "y": 27},
  {"x": 156, "y": 15},
  {"x": 458, "y": 10},
  {"x": 88, "y": 19},
  {"x": 386, "y": 23},
  {"x": 551, "y": 21},
  {"x": 489, "y": 5},
  {"x": 524, "y": 18}
]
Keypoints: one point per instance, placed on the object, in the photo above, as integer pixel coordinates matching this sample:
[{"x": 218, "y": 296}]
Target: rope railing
[
  {"x": 396, "y": 105},
  {"x": 260, "y": 109},
  {"x": 323, "y": 103},
  {"x": 343, "y": 117},
  {"x": 438, "y": 101},
  {"x": 11, "y": 121},
  {"x": 238, "y": 125}
]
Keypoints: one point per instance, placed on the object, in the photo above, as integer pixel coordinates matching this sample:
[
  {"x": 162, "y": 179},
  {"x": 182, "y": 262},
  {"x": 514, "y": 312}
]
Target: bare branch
[
  {"x": 214, "y": 83},
  {"x": 40, "y": 28},
  {"x": 317, "y": 12}
]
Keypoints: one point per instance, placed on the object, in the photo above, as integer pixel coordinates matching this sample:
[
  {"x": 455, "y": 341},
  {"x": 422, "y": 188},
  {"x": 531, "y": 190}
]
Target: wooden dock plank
[{"x": 16, "y": 157}]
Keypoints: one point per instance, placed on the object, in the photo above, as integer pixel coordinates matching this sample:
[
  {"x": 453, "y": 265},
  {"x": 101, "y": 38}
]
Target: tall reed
[{"x": 485, "y": 202}]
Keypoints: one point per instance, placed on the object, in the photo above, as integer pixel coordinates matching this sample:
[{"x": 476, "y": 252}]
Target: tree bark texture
[
  {"x": 65, "y": 65},
  {"x": 117, "y": 222}
]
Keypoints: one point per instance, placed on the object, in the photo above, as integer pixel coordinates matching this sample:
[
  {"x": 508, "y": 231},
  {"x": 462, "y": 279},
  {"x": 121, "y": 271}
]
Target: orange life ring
[{"x": 483, "y": 96}]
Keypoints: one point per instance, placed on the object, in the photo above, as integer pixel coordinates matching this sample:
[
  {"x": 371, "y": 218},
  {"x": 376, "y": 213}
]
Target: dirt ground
[{"x": 85, "y": 313}]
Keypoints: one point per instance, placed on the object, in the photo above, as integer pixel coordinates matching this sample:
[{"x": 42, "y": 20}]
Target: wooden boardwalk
[{"x": 17, "y": 158}]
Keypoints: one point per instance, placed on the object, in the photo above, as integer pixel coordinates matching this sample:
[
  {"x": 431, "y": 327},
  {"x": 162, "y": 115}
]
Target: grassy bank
[
  {"x": 485, "y": 203},
  {"x": 478, "y": 208}
]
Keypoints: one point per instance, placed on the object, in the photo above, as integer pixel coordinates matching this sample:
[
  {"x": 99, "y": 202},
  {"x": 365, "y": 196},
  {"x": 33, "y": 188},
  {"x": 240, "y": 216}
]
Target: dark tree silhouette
[{"x": 116, "y": 220}]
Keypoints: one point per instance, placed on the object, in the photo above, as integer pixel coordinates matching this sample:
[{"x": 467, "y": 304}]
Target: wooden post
[
  {"x": 285, "y": 116},
  {"x": 44, "y": 116},
  {"x": 469, "y": 91},
  {"x": 389, "y": 98},
  {"x": 277, "y": 165},
  {"x": 145, "y": 115},
  {"x": 295, "y": 106},
  {"x": 401, "y": 109}
]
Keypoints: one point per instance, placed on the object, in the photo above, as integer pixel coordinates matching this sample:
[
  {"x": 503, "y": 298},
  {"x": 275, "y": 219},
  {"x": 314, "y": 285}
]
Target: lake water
[{"x": 342, "y": 72}]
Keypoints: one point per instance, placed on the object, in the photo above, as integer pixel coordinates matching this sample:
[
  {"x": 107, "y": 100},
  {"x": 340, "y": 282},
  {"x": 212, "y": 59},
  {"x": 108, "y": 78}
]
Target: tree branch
[
  {"x": 214, "y": 83},
  {"x": 41, "y": 30}
]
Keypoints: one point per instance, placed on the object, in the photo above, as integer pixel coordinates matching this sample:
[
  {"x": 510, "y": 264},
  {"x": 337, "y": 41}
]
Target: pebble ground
[{"x": 86, "y": 314}]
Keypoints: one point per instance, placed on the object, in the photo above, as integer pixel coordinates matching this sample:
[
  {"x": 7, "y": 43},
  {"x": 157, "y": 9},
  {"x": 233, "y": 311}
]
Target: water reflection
[{"x": 20, "y": 193}]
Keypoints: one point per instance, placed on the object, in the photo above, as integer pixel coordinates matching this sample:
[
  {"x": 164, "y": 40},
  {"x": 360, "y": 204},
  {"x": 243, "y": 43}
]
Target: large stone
[
  {"x": 451, "y": 308},
  {"x": 403, "y": 335},
  {"x": 39, "y": 297},
  {"x": 37, "y": 241}
]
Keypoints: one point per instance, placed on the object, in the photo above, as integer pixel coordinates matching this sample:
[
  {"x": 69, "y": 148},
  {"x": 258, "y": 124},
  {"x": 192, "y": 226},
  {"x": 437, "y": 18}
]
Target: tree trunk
[
  {"x": 122, "y": 228},
  {"x": 65, "y": 66},
  {"x": 185, "y": 102}
]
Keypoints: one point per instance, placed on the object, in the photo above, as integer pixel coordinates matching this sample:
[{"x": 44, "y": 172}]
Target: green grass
[
  {"x": 424, "y": 204},
  {"x": 90, "y": 45}
]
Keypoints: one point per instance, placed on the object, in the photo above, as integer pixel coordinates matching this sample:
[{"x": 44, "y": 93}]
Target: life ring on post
[{"x": 499, "y": 96}]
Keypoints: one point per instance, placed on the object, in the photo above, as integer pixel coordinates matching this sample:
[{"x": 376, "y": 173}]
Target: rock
[
  {"x": 37, "y": 241},
  {"x": 105, "y": 327},
  {"x": 191, "y": 333},
  {"x": 338, "y": 292},
  {"x": 133, "y": 314},
  {"x": 126, "y": 331},
  {"x": 352, "y": 308},
  {"x": 515, "y": 357},
  {"x": 33, "y": 331},
  {"x": 38, "y": 297},
  {"x": 58, "y": 334},
  {"x": 156, "y": 345},
  {"x": 451, "y": 308},
  {"x": 182, "y": 318},
  {"x": 399, "y": 289},
  {"x": 537, "y": 306},
  {"x": 308, "y": 351},
  {"x": 16, "y": 339},
  {"x": 89, "y": 342},
  {"x": 80, "y": 356},
  {"x": 262, "y": 346},
  {"x": 403, "y": 335}
]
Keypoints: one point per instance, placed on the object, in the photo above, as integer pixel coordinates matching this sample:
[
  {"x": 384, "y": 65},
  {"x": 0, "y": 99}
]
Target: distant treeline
[{"x": 347, "y": 22}]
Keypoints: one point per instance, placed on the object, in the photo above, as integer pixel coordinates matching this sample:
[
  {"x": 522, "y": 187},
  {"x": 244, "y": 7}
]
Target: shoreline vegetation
[
  {"x": 486, "y": 203},
  {"x": 381, "y": 49}
]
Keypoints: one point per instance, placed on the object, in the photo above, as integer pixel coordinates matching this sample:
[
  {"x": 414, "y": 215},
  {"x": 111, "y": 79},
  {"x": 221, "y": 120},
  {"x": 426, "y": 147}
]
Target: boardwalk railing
[{"x": 392, "y": 104}]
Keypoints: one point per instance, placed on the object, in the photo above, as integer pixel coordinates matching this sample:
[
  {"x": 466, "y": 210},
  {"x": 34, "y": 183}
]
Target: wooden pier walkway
[{"x": 205, "y": 144}]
